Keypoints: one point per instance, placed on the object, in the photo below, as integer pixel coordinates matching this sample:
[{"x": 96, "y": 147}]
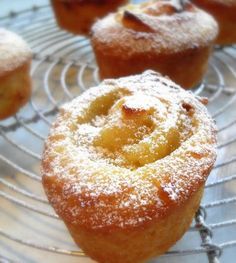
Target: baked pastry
[
  {"x": 77, "y": 16},
  {"x": 125, "y": 165},
  {"x": 172, "y": 39},
  {"x": 15, "y": 81},
  {"x": 224, "y": 11}
]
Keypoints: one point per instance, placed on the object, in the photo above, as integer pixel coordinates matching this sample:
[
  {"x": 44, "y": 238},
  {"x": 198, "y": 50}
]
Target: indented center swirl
[{"x": 141, "y": 129}]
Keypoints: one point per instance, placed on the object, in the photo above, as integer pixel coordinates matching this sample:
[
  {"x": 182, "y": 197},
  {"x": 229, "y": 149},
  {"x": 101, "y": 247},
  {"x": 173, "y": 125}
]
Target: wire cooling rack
[{"x": 62, "y": 68}]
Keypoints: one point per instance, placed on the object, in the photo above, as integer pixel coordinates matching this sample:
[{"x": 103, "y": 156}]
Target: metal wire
[{"x": 54, "y": 60}]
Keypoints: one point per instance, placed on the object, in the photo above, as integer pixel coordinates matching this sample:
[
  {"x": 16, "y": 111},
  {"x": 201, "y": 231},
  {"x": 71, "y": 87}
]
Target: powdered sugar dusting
[
  {"x": 140, "y": 102},
  {"x": 125, "y": 152},
  {"x": 14, "y": 51},
  {"x": 154, "y": 33}
]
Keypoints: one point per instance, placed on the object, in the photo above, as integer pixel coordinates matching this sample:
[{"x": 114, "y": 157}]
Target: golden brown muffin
[
  {"x": 224, "y": 11},
  {"x": 77, "y": 16},
  {"x": 125, "y": 165},
  {"x": 15, "y": 81},
  {"x": 159, "y": 35}
]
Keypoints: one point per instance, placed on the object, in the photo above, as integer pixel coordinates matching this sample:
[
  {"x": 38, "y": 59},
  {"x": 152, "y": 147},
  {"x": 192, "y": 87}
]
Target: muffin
[
  {"x": 125, "y": 165},
  {"x": 224, "y": 11},
  {"x": 172, "y": 39},
  {"x": 77, "y": 16},
  {"x": 15, "y": 81}
]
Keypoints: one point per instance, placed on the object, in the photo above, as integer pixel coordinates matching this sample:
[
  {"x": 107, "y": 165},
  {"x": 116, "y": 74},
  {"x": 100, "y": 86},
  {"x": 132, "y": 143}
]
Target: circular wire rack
[{"x": 63, "y": 67}]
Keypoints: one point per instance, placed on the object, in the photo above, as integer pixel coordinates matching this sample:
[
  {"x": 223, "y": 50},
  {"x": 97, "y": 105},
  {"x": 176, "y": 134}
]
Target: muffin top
[
  {"x": 14, "y": 51},
  {"x": 155, "y": 26}
]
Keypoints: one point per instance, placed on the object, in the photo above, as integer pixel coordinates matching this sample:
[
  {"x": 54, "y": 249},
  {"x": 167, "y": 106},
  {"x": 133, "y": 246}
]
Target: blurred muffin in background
[
  {"x": 15, "y": 80},
  {"x": 77, "y": 16},
  {"x": 173, "y": 39},
  {"x": 224, "y": 11}
]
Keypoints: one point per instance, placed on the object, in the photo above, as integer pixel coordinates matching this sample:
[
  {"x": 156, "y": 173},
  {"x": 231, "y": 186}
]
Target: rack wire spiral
[{"x": 63, "y": 67}]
